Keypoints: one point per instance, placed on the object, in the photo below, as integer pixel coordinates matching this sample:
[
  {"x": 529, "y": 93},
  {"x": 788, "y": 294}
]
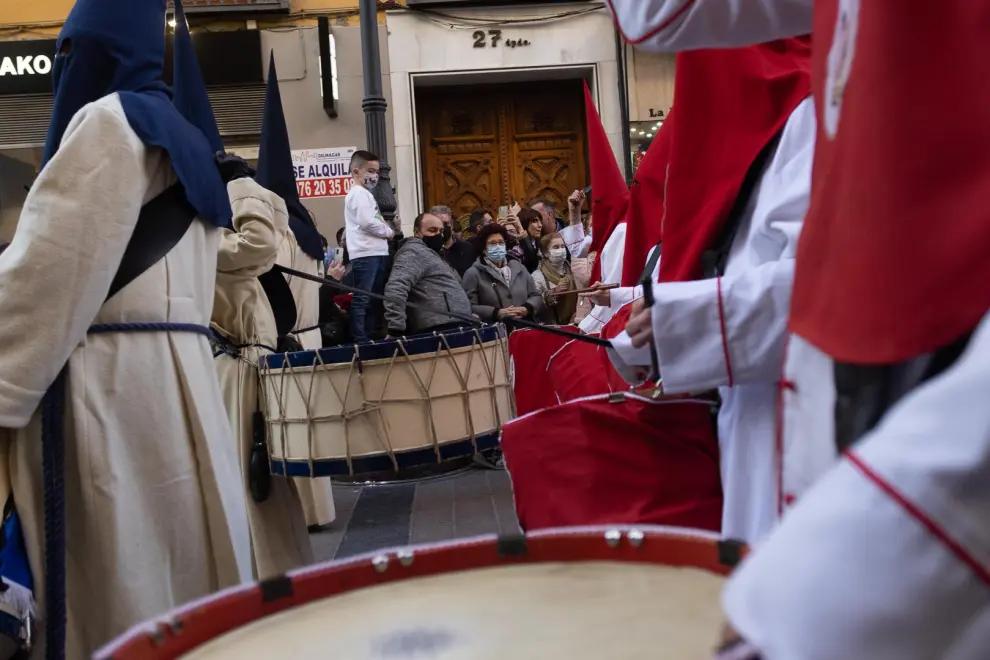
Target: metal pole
[
  {"x": 620, "y": 57},
  {"x": 374, "y": 106}
]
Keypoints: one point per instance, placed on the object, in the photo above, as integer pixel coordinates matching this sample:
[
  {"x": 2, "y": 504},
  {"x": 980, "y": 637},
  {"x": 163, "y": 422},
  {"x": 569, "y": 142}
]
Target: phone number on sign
[{"x": 324, "y": 187}]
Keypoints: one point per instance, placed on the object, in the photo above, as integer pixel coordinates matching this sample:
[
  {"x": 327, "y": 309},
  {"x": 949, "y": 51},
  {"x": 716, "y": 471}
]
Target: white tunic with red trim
[
  {"x": 888, "y": 555},
  {"x": 730, "y": 332}
]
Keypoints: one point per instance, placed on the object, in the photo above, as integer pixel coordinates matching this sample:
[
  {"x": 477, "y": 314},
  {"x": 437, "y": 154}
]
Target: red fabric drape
[
  {"x": 595, "y": 462},
  {"x": 892, "y": 258}
]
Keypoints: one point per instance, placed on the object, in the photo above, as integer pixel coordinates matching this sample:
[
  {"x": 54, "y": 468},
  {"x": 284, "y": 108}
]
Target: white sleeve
[
  {"x": 887, "y": 557},
  {"x": 368, "y": 218},
  {"x": 673, "y": 25},
  {"x": 260, "y": 221},
  {"x": 732, "y": 330},
  {"x": 70, "y": 240},
  {"x": 575, "y": 240}
]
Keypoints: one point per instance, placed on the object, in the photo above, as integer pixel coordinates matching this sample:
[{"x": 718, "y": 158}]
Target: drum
[
  {"x": 386, "y": 406},
  {"x": 648, "y": 592}
]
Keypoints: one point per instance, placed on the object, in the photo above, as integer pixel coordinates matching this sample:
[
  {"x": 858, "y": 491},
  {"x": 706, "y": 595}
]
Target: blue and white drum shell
[{"x": 386, "y": 406}]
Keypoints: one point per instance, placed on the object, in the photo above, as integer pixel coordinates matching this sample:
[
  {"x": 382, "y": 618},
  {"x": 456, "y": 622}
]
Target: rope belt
[{"x": 53, "y": 466}]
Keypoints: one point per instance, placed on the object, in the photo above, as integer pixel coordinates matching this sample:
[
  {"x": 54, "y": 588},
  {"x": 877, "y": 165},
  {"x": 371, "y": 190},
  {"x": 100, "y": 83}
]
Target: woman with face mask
[
  {"x": 497, "y": 286},
  {"x": 553, "y": 279}
]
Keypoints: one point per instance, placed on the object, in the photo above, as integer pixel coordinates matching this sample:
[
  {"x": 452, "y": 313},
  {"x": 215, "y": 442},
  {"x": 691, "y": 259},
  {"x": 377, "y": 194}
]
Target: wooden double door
[{"x": 486, "y": 146}]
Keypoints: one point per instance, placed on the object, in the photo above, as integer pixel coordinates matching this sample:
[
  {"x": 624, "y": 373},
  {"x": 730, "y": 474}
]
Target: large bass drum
[
  {"x": 386, "y": 406},
  {"x": 585, "y": 593}
]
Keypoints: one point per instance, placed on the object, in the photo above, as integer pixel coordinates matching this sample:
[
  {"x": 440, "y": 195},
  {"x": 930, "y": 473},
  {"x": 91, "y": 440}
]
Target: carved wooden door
[{"x": 490, "y": 145}]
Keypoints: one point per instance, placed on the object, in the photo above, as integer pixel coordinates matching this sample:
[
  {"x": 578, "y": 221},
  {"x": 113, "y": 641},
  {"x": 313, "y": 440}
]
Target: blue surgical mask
[{"x": 496, "y": 253}]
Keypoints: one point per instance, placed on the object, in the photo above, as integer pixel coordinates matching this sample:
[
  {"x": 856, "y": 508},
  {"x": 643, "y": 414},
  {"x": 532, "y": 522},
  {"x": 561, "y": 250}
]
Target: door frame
[{"x": 418, "y": 80}]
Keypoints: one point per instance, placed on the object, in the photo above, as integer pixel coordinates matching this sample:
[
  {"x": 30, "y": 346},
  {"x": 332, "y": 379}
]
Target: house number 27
[{"x": 481, "y": 40}]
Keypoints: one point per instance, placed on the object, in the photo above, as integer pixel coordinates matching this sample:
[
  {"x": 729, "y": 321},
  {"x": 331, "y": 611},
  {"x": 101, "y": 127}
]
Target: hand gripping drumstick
[
  {"x": 597, "y": 341},
  {"x": 648, "y": 301}
]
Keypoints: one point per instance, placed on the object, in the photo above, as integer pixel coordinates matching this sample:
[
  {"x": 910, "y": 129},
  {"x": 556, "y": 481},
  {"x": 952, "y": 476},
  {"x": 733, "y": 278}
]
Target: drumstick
[
  {"x": 508, "y": 320},
  {"x": 591, "y": 289}
]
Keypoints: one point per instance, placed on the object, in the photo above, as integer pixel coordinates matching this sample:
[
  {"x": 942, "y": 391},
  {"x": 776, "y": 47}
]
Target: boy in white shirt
[{"x": 366, "y": 235}]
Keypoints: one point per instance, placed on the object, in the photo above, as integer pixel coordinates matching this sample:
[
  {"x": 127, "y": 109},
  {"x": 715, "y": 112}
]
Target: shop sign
[
  {"x": 323, "y": 172},
  {"x": 26, "y": 66}
]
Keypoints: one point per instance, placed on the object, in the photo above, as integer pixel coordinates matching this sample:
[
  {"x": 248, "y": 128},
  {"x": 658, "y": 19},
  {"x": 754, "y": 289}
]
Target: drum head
[
  {"x": 571, "y": 594},
  {"x": 539, "y": 611}
]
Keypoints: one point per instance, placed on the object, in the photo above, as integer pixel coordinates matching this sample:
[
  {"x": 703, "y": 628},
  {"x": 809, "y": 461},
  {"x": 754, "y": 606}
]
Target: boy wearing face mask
[
  {"x": 366, "y": 234},
  {"x": 553, "y": 278},
  {"x": 422, "y": 277}
]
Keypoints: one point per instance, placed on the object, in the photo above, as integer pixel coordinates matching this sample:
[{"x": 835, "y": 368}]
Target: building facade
[
  {"x": 489, "y": 103},
  {"x": 485, "y": 97},
  {"x": 317, "y": 47}
]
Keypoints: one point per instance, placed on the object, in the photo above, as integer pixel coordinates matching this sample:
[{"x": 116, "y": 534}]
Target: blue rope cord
[
  {"x": 53, "y": 473},
  {"x": 53, "y": 466}
]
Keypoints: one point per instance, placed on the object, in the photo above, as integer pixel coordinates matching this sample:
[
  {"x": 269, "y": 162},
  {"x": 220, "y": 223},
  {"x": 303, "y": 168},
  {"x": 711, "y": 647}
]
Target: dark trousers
[{"x": 365, "y": 313}]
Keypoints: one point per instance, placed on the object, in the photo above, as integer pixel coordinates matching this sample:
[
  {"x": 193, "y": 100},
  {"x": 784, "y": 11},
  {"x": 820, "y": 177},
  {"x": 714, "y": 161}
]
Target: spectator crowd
[{"x": 525, "y": 263}]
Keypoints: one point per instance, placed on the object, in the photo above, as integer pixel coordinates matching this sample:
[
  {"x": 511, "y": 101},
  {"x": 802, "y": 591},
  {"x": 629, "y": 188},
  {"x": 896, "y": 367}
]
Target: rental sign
[
  {"x": 26, "y": 66},
  {"x": 323, "y": 172}
]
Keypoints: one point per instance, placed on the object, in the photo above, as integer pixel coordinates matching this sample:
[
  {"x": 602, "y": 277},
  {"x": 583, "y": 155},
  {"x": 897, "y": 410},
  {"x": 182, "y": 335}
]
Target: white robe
[
  {"x": 241, "y": 313},
  {"x": 154, "y": 507},
  {"x": 316, "y": 494},
  {"x": 576, "y": 241},
  {"x": 887, "y": 557},
  {"x": 730, "y": 332}
]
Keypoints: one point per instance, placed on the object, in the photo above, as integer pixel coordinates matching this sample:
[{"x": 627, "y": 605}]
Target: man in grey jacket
[{"x": 422, "y": 277}]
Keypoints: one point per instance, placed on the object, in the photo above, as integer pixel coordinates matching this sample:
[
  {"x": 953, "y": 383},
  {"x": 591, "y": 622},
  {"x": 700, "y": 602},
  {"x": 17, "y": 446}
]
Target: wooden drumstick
[{"x": 591, "y": 289}]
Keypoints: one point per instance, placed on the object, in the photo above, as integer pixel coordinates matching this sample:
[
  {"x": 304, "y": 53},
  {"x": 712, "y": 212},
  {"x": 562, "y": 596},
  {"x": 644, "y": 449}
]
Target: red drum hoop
[{"x": 208, "y": 619}]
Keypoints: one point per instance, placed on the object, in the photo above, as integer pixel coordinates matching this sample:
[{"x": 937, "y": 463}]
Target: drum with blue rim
[{"x": 386, "y": 406}]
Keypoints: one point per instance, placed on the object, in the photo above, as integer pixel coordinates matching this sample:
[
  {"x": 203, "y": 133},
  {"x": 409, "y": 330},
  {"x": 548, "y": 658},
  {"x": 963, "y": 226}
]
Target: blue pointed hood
[
  {"x": 276, "y": 172},
  {"x": 189, "y": 89},
  {"x": 118, "y": 46}
]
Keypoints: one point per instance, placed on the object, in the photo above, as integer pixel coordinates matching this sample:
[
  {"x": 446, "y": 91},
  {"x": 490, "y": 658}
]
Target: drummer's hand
[
  {"x": 599, "y": 297},
  {"x": 640, "y": 325}
]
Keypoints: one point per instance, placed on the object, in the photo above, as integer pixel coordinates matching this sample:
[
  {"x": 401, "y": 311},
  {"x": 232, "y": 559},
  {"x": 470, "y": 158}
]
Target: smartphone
[
  {"x": 503, "y": 212},
  {"x": 338, "y": 255}
]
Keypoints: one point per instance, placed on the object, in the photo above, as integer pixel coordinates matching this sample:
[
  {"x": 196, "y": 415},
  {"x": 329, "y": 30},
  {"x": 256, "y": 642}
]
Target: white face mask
[
  {"x": 558, "y": 255},
  {"x": 370, "y": 180}
]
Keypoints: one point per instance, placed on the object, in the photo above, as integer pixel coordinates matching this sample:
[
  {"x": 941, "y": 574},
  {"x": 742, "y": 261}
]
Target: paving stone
[
  {"x": 380, "y": 519},
  {"x": 474, "y": 516}
]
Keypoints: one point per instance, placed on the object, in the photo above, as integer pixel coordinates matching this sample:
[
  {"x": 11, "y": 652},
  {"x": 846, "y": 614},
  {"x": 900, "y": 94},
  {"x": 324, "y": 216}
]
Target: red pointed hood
[
  {"x": 609, "y": 192},
  {"x": 644, "y": 220},
  {"x": 730, "y": 105}
]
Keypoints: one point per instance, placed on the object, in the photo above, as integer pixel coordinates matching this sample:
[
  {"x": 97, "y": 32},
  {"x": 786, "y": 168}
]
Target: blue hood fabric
[
  {"x": 119, "y": 46},
  {"x": 189, "y": 90},
  {"x": 276, "y": 172}
]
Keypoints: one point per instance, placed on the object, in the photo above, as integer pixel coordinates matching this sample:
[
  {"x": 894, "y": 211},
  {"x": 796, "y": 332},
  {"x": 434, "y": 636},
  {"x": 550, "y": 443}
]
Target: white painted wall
[{"x": 419, "y": 44}]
